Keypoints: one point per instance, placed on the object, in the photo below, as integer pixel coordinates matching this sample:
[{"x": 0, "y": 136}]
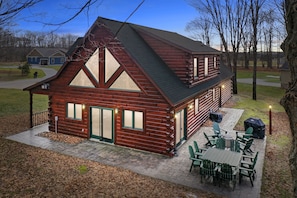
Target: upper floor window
[
  {"x": 195, "y": 65},
  {"x": 215, "y": 62},
  {"x": 196, "y": 105},
  {"x": 206, "y": 66}
]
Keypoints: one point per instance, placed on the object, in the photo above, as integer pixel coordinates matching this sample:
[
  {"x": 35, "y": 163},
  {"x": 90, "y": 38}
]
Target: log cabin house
[{"x": 136, "y": 86}]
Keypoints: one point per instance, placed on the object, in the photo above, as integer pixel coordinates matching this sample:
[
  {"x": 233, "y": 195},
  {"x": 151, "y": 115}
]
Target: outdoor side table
[{"x": 228, "y": 138}]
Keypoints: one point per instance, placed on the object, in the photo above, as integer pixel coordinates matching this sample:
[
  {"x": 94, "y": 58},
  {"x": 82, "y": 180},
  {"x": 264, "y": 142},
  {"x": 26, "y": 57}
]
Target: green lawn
[
  {"x": 16, "y": 101},
  {"x": 8, "y": 74},
  {"x": 258, "y": 108},
  {"x": 268, "y": 76}
]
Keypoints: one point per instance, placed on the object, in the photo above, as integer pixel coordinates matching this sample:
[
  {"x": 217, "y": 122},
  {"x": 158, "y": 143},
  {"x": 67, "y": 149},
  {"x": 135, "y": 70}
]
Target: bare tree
[
  {"x": 268, "y": 33},
  {"x": 247, "y": 44},
  {"x": 228, "y": 18},
  {"x": 255, "y": 9},
  {"x": 201, "y": 28},
  {"x": 289, "y": 101},
  {"x": 9, "y": 9}
]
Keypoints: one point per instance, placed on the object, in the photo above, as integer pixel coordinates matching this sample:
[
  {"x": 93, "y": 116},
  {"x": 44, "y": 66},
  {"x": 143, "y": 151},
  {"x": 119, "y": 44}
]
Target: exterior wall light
[{"x": 45, "y": 86}]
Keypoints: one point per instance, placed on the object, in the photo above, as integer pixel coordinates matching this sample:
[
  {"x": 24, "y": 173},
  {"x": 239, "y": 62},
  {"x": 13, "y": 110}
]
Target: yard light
[{"x": 270, "y": 120}]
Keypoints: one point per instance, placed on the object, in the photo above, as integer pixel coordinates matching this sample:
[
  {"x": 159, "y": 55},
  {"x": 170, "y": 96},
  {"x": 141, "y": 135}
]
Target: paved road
[
  {"x": 21, "y": 84},
  {"x": 259, "y": 82}
]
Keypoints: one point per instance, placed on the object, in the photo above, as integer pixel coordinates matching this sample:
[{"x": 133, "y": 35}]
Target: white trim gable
[
  {"x": 125, "y": 82},
  {"x": 93, "y": 64},
  {"x": 81, "y": 80},
  {"x": 111, "y": 65}
]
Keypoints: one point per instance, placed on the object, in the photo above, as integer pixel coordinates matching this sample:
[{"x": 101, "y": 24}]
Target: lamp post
[{"x": 270, "y": 121}]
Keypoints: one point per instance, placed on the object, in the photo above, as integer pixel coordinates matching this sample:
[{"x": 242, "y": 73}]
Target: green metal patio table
[{"x": 221, "y": 156}]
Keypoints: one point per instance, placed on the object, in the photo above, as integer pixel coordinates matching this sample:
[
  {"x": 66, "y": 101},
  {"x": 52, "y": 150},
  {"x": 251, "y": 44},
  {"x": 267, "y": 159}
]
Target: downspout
[{"x": 31, "y": 110}]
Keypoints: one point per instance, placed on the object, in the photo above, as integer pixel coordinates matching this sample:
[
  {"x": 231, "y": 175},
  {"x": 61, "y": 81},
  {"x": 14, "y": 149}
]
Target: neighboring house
[
  {"x": 136, "y": 86},
  {"x": 47, "y": 56},
  {"x": 285, "y": 75}
]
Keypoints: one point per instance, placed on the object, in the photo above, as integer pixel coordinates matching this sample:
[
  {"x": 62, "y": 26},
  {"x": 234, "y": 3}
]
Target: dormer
[
  {"x": 192, "y": 61},
  {"x": 203, "y": 67}
]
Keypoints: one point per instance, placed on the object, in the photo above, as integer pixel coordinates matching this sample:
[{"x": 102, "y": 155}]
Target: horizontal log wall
[
  {"x": 157, "y": 134},
  {"x": 176, "y": 59},
  {"x": 181, "y": 62},
  {"x": 206, "y": 105}
]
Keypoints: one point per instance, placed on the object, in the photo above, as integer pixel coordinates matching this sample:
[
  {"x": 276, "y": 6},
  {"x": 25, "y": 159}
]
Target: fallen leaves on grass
[{"x": 33, "y": 172}]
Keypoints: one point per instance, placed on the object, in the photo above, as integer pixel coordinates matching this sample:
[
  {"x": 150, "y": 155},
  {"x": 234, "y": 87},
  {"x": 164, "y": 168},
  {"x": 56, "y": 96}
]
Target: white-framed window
[
  {"x": 74, "y": 111},
  {"x": 196, "y": 105},
  {"x": 213, "y": 94},
  {"x": 215, "y": 62},
  {"x": 206, "y": 66},
  {"x": 195, "y": 68},
  {"x": 133, "y": 119}
]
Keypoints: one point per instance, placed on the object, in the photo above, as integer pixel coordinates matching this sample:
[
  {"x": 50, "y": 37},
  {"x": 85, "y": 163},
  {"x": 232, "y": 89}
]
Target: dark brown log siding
[
  {"x": 181, "y": 62},
  {"x": 155, "y": 137},
  {"x": 178, "y": 60},
  {"x": 158, "y": 134},
  {"x": 206, "y": 104}
]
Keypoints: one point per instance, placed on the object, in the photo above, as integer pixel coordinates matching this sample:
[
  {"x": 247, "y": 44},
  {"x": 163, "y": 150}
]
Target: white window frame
[
  {"x": 206, "y": 66},
  {"x": 213, "y": 94},
  {"x": 77, "y": 111},
  {"x": 195, "y": 68},
  {"x": 215, "y": 62},
  {"x": 196, "y": 106},
  {"x": 137, "y": 123}
]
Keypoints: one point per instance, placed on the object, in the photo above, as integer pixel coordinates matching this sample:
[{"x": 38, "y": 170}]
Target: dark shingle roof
[
  {"x": 177, "y": 40},
  {"x": 168, "y": 83},
  {"x": 46, "y": 52}
]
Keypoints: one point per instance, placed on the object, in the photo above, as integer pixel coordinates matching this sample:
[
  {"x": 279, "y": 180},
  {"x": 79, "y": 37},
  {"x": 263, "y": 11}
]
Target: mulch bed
[{"x": 59, "y": 137}]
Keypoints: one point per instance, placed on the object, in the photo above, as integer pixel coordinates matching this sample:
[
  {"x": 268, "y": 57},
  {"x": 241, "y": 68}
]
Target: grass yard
[
  {"x": 277, "y": 179},
  {"x": 16, "y": 101},
  {"x": 8, "y": 74},
  {"x": 268, "y": 76},
  {"x": 265, "y": 96}
]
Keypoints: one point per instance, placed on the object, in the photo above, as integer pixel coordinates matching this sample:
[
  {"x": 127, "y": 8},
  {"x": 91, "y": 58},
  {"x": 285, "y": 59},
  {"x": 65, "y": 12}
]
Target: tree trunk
[{"x": 289, "y": 101}]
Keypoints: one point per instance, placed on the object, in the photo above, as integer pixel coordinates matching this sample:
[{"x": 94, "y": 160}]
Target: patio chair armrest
[
  {"x": 248, "y": 157},
  {"x": 246, "y": 162},
  {"x": 245, "y": 169},
  {"x": 195, "y": 159},
  {"x": 247, "y": 135},
  {"x": 199, "y": 153}
]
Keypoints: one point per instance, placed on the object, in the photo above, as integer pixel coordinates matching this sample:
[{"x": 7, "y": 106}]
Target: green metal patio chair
[
  {"x": 211, "y": 142},
  {"x": 195, "y": 161},
  {"x": 235, "y": 146},
  {"x": 248, "y": 160},
  {"x": 208, "y": 169},
  {"x": 246, "y": 136},
  {"x": 198, "y": 151},
  {"x": 246, "y": 147},
  {"x": 220, "y": 143},
  {"x": 217, "y": 130},
  {"x": 227, "y": 173},
  {"x": 248, "y": 170}
]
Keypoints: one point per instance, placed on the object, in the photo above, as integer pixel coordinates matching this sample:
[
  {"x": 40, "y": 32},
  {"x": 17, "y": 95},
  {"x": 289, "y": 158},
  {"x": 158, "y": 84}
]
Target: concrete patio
[{"x": 174, "y": 169}]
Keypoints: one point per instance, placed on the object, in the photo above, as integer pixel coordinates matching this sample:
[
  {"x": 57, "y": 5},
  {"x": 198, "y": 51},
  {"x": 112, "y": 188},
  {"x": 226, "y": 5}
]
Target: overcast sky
[{"x": 171, "y": 15}]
